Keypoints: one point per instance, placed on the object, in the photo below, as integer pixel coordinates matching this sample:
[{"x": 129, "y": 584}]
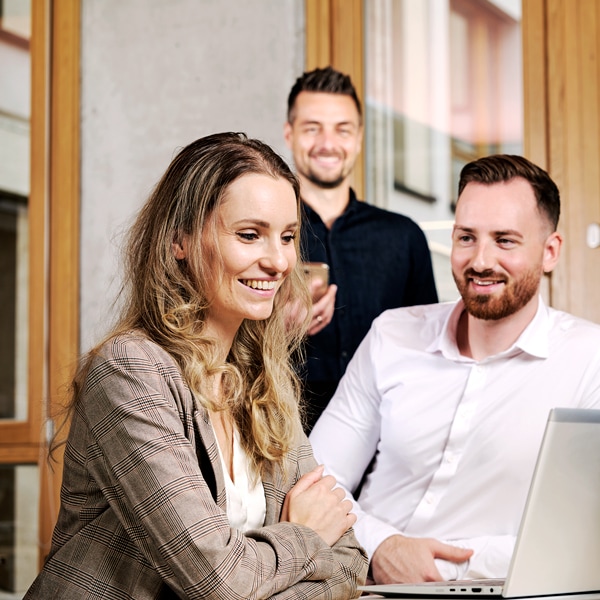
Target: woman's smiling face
[{"x": 256, "y": 224}]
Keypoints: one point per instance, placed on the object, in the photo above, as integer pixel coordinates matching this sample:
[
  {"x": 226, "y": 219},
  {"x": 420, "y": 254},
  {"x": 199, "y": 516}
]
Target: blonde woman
[{"x": 186, "y": 471}]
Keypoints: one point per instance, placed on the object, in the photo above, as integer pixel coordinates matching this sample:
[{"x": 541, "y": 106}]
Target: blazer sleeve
[
  {"x": 140, "y": 455},
  {"x": 349, "y": 560}
]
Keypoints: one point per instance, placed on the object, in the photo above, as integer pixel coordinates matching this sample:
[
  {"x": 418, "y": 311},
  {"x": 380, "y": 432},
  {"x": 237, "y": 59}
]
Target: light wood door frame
[
  {"x": 334, "y": 36},
  {"x": 63, "y": 237}
]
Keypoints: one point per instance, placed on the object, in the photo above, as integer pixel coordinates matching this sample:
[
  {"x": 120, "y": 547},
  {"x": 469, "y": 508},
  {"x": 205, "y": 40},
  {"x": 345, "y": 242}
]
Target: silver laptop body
[{"x": 557, "y": 551}]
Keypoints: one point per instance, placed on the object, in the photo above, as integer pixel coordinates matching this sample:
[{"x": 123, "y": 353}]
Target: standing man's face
[
  {"x": 325, "y": 137},
  {"x": 501, "y": 246}
]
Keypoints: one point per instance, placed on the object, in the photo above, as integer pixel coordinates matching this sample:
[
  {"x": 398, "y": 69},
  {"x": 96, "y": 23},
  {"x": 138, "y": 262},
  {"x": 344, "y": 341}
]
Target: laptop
[{"x": 557, "y": 550}]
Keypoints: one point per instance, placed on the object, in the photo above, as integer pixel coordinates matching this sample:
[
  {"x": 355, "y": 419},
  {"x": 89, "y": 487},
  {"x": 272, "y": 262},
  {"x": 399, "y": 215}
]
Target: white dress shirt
[{"x": 455, "y": 440}]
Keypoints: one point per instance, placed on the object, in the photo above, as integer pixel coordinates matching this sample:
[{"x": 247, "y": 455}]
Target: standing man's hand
[
  {"x": 400, "y": 559},
  {"x": 322, "y": 310}
]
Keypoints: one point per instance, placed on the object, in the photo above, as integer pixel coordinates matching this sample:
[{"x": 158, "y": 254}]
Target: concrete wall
[{"x": 156, "y": 75}]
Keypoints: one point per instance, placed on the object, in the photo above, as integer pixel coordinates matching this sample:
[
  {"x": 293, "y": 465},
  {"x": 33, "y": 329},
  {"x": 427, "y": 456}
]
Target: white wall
[{"x": 156, "y": 75}]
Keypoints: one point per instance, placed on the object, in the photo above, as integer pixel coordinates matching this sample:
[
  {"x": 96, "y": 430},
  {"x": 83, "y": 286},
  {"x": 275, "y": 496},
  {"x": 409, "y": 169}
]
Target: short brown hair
[
  {"x": 326, "y": 80},
  {"x": 500, "y": 168}
]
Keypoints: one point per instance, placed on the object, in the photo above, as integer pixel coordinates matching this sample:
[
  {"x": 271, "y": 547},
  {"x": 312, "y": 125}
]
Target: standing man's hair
[
  {"x": 500, "y": 168},
  {"x": 326, "y": 80}
]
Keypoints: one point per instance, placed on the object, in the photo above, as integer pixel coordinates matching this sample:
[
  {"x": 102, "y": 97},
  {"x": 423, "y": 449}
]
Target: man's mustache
[{"x": 487, "y": 274}]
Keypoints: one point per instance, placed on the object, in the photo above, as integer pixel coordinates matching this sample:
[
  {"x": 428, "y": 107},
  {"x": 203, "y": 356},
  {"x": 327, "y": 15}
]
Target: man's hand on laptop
[{"x": 400, "y": 559}]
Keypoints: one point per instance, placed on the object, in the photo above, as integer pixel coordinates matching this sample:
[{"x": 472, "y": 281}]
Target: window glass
[
  {"x": 19, "y": 501},
  {"x": 443, "y": 86}
]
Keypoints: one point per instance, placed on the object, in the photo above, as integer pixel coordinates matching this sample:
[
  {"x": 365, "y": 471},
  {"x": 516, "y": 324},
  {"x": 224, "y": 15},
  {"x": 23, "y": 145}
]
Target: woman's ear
[{"x": 179, "y": 250}]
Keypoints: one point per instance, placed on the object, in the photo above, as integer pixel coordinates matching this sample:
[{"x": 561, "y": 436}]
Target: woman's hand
[{"x": 315, "y": 502}]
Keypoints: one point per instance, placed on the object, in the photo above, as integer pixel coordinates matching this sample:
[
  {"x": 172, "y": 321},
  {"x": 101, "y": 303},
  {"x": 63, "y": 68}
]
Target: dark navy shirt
[{"x": 378, "y": 260}]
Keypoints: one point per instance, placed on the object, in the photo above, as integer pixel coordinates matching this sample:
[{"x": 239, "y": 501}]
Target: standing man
[
  {"x": 451, "y": 400},
  {"x": 377, "y": 259}
]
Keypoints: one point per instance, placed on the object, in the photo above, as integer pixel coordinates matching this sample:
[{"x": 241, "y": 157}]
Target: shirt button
[
  {"x": 344, "y": 354},
  {"x": 429, "y": 498}
]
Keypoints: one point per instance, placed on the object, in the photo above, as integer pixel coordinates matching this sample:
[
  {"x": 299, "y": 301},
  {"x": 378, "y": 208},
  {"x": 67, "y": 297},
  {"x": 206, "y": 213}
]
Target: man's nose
[
  {"x": 484, "y": 257},
  {"x": 326, "y": 139}
]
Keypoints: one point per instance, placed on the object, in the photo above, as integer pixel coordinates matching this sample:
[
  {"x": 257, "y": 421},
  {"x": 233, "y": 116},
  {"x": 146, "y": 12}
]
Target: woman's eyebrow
[{"x": 261, "y": 223}]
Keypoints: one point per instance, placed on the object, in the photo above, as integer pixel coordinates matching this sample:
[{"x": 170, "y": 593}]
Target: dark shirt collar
[{"x": 313, "y": 215}]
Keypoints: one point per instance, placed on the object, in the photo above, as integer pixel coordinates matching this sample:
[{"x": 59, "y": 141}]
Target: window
[
  {"x": 443, "y": 86},
  {"x": 19, "y": 487}
]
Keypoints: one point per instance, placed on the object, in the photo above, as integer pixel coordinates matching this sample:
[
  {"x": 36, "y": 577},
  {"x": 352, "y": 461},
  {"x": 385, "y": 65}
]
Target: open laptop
[{"x": 557, "y": 551}]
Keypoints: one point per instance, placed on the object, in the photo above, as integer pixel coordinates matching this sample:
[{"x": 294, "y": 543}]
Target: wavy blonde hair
[{"x": 167, "y": 299}]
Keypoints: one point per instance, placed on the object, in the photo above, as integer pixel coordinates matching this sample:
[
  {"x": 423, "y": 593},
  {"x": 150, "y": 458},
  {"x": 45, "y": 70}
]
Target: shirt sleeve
[
  {"x": 148, "y": 470},
  {"x": 345, "y": 438},
  {"x": 491, "y": 558}
]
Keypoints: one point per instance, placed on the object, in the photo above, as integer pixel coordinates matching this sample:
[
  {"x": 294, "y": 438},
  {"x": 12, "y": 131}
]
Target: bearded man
[{"x": 441, "y": 412}]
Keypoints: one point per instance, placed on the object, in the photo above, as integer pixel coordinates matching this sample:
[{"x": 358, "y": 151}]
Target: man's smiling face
[
  {"x": 500, "y": 248},
  {"x": 325, "y": 137}
]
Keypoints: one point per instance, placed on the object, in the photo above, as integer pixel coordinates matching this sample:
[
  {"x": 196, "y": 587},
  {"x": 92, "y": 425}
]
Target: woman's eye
[
  {"x": 247, "y": 236},
  {"x": 288, "y": 238}
]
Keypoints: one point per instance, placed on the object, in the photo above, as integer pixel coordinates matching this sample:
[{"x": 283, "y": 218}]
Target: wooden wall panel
[
  {"x": 318, "y": 33},
  {"x": 574, "y": 147},
  {"x": 535, "y": 81},
  {"x": 561, "y": 43}
]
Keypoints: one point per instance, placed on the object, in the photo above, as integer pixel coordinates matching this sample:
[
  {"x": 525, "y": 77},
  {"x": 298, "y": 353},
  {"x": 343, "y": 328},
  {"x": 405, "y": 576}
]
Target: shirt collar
[
  {"x": 535, "y": 339},
  {"x": 352, "y": 205}
]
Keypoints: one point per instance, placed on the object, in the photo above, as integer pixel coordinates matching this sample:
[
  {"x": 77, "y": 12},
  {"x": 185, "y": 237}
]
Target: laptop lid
[{"x": 558, "y": 544}]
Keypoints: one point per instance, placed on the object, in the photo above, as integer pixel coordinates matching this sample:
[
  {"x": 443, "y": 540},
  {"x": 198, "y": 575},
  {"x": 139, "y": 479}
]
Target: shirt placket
[{"x": 460, "y": 429}]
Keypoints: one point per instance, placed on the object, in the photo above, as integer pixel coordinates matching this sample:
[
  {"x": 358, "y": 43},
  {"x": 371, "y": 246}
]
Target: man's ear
[
  {"x": 552, "y": 251},
  {"x": 360, "y": 136},
  {"x": 287, "y": 134}
]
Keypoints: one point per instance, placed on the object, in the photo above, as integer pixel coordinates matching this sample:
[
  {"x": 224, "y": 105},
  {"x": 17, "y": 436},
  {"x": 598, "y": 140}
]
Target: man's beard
[
  {"x": 326, "y": 185},
  {"x": 491, "y": 307}
]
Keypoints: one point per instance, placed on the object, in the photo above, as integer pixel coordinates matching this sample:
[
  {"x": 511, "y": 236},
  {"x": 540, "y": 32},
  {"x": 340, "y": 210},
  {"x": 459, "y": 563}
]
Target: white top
[
  {"x": 246, "y": 503},
  {"x": 456, "y": 439}
]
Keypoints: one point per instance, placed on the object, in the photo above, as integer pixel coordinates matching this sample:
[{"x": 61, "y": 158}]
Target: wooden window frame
[{"x": 53, "y": 215}]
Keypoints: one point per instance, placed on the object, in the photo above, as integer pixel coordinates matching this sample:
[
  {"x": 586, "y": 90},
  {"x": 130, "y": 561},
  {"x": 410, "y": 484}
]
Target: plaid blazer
[{"x": 143, "y": 503}]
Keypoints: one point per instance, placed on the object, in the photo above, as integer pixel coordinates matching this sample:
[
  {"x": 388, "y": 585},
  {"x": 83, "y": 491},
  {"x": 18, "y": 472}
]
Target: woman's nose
[{"x": 275, "y": 259}]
